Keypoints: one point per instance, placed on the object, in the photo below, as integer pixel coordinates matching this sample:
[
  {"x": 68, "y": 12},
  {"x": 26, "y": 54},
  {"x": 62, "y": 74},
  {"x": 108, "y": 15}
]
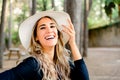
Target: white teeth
[{"x": 49, "y": 37}]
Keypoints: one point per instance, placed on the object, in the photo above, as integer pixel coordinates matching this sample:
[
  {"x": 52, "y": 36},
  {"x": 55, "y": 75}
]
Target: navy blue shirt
[{"x": 29, "y": 69}]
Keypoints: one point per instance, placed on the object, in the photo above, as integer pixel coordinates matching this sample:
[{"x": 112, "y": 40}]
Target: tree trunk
[
  {"x": 53, "y": 4},
  {"x": 10, "y": 25},
  {"x": 87, "y": 7},
  {"x": 32, "y": 7},
  {"x": 44, "y": 5},
  {"x": 85, "y": 36},
  {"x": 1, "y": 31},
  {"x": 74, "y": 8}
]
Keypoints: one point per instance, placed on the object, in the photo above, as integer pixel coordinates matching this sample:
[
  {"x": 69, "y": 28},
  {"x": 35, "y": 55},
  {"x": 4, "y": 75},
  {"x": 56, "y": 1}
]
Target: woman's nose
[{"x": 49, "y": 29}]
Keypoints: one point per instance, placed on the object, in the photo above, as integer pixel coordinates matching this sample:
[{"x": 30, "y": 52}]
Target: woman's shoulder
[
  {"x": 30, "y": 59},
  {"x": 30, "y": 62}
]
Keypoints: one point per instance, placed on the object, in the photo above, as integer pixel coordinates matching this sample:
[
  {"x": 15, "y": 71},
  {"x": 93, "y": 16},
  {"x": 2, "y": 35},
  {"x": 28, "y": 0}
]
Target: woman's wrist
[
  {"x": 72, "y": 43},
  {"x": 75, "y": 51}
]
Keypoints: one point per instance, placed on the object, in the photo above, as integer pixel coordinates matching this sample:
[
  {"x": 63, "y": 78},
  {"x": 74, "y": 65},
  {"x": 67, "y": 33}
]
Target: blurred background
[{"x": 97, "y": 26}]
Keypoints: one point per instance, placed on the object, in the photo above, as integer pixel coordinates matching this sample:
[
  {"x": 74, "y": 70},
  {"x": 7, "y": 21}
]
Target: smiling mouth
[{"x": 49, "y": 37}]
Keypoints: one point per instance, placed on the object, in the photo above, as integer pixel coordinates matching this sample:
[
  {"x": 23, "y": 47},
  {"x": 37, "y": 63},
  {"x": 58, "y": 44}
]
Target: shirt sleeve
[
  {"x": 26, "y": 70},
  {"x": 79, "y": 70}
]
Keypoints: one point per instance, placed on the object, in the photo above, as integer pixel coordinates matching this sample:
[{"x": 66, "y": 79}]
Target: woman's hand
[{"x": 71, "y": 32}]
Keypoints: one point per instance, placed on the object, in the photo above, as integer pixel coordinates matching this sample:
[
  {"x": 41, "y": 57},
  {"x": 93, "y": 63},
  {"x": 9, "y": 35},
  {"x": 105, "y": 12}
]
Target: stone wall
[{"x": 106, "y": 36}]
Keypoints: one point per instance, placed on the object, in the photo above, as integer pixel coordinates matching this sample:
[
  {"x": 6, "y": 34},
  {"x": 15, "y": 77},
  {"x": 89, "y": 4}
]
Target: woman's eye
[
  {"x": 42, "y": 28},
  {"x": 52, "y": 26}
]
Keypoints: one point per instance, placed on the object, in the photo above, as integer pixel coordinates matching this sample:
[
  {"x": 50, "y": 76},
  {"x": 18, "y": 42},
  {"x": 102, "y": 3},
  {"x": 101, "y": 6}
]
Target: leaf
[
  {"x": 117, "y": 1},
  {"x": 107, "y": 2}
]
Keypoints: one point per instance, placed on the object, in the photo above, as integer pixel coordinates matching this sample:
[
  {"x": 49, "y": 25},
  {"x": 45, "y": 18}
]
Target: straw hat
[{"x": 26, "y": 27}]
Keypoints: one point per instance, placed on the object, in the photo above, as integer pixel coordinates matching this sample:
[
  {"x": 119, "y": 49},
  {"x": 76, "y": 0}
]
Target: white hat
[{"x": 26, "y": 28}]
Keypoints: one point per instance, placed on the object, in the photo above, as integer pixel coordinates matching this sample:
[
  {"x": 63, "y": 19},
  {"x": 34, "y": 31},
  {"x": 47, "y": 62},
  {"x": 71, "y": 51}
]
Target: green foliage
[
  {"x": 39, "y": 5},
  {"x": 97, "y": 23},
  {"x": 117, "y": 1},
  {"x": 107, "y": 2},
  {"x": 97, "y": 15},
  {"x": 43, "y": 5},
  {"x": 23, "y": 15},
  {"x": 15, "y": 38},
  {"x": 109, "y": 5}
]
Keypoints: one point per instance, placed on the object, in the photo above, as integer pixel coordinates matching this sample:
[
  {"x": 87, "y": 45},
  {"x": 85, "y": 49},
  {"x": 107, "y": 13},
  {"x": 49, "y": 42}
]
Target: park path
[{"x": 102, "y": 63}]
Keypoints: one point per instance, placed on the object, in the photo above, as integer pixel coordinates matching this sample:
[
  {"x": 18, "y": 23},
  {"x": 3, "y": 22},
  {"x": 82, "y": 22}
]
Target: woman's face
[{"x": 47, "y": 33}]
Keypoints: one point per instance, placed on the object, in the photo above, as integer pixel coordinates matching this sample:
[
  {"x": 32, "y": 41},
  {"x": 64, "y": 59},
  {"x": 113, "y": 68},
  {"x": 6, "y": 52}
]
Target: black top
[{"x": 29, "y": 69}]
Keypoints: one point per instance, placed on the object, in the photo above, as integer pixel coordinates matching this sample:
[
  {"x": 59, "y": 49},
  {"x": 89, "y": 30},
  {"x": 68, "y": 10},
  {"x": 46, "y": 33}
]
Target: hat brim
[{"x": 26, "y": 27}]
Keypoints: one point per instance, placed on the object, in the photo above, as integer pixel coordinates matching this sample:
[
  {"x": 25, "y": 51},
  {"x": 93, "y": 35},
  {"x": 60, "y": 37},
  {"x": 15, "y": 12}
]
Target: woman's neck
[{"x": 49, "y": 52}]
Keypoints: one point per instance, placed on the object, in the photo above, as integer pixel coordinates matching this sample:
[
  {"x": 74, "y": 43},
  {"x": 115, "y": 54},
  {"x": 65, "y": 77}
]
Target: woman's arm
[
  {"x": 79, "y": 72},
  {"x": 74, "y": 49},
  {"x": 26, "y": 70},
  {"x": 75, "y": 52}
]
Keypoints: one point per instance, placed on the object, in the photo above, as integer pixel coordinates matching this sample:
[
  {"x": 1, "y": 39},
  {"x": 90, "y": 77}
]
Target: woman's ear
[{"x": 36, "y": 39}]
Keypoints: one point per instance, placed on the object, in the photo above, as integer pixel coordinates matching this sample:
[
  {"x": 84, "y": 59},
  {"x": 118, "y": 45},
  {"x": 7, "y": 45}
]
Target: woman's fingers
[
  {"x": 70, "y": 24},
  {"x": 69, "y": 28},
  {"x": 70, "y": 31},
  {"x": 66, "y": 29}
]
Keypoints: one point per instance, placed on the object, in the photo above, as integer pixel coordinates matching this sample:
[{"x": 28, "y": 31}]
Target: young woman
[{"x": 45, "y": 35}]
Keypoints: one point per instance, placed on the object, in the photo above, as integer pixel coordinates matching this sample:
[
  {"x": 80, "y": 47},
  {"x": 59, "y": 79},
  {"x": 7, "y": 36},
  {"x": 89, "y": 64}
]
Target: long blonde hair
[{"x": 52, "y": 70}]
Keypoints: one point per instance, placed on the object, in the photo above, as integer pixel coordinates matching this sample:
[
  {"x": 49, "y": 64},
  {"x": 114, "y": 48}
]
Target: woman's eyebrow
[
  {"x": 52, "y": 23},
  {"x": 42, "y": 25},
  {"x": 45, "y": 24}
]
